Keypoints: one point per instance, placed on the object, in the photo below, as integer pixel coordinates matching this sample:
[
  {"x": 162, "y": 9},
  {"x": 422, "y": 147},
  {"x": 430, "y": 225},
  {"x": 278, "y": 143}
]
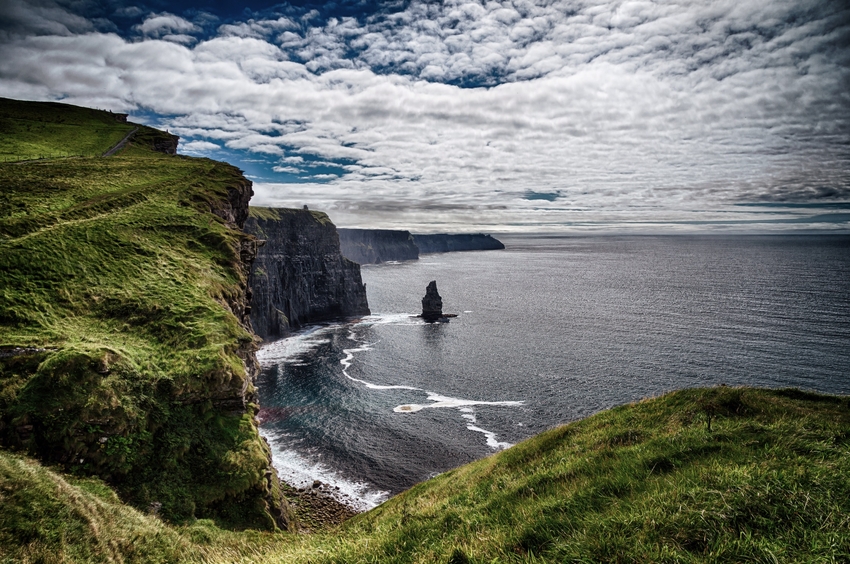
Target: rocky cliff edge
[{"x": 299, "y": 275}]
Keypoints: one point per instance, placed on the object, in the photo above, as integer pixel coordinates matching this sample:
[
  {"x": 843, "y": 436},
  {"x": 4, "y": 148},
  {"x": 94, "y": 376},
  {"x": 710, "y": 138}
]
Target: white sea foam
[
  {"x": 390, "y": 319},
  {"x": 291, "y": 348},
  {"x": 491, "y": 438},
  {"x": 446, "y": 401},
  {"x": 297, "y": 471},
  {"x": 464, "y": 406},
  {"x": 346, "y": 363},
  {"x": 372, "y": 386}
]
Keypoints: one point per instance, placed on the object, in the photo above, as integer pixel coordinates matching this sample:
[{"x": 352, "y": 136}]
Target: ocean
[{"x": 549, "y": 330}]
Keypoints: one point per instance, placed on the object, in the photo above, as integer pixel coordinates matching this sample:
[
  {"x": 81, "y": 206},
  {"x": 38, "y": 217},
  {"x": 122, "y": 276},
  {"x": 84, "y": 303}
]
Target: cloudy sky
[{"x": 468, "y": 115}]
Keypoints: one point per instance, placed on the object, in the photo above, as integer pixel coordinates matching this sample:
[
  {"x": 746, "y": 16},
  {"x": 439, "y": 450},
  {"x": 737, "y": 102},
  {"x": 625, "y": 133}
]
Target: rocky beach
[{"x": 316, "y": 508}]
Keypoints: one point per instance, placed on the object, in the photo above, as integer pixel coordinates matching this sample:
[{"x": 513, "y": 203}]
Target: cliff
[
  {"x": 125, "y": 343},
  {"x": 372, "y": 246},
  {"x": 299, "y": 275},
  {"x": 447, "y": 243}
]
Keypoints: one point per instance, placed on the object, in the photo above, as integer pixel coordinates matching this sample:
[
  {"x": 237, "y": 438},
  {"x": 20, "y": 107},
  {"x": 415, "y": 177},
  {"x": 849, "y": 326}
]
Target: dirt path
[{"x": 120, "y": 144}]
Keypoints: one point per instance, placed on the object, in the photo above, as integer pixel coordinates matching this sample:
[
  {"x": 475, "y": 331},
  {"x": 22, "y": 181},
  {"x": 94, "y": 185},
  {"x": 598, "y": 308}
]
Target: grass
[
  {"x": 273, "y": 214},
  {"x": 645, "y": 482},
  {"x": 270, "y": 214},
  {"x": 47, "y": 130},
  {"x": 640, "y": 483},
  {"x": 121, "y": 280},
  {"x": 49, "y": 517}
]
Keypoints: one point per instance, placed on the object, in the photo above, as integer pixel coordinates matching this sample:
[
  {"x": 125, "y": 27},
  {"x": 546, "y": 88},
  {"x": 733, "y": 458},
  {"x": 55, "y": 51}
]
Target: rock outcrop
[
  {"x": 167, "y": 145},
  {"x": 299, "y": 275},
  {"x": 432, "y": 303},
  {"x": 373, "y": 246},
  {"x": 448, "y": 243}
]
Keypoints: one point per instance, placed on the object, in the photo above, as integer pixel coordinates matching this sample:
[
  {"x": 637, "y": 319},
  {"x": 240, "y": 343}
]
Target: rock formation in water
[
  {"x": 373, "y": 246},
  {"x": 432, "y": 303},
  {"x": 299, "y": 275},
  {"x": 447, "y": 243}
]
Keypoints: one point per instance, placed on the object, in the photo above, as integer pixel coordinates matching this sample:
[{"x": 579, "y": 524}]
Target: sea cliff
[
  {"x": 449, "y": 243},
  {"x": 299, "y": 275},
  {"x": 373, "y": 246}
]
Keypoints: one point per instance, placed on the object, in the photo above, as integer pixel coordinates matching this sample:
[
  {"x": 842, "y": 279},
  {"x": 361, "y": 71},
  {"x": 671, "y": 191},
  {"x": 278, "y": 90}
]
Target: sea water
[{"x": 549, "y": 330}]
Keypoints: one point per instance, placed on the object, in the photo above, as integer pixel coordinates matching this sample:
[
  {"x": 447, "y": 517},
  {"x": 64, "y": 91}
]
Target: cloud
[
  {"x": 461, "y": 112},
  {"x": 128, "y": 12},
  {"x": 258, "y": 29},
  {"x": 198, "y": 147},
  {"x": 21, "y": 18},
  {"x": 168, "y": 27}
]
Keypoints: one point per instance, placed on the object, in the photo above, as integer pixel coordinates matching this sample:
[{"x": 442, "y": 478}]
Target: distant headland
[{"x": 374, "y": 246}]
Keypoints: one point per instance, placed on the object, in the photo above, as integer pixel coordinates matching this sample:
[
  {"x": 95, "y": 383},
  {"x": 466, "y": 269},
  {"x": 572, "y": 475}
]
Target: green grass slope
[
  {"x": 645, "y": 482},
  {"x": 120, "y": 353},
  {"x": 50, "y": 130},
  {"x": 51, "y": 518}
]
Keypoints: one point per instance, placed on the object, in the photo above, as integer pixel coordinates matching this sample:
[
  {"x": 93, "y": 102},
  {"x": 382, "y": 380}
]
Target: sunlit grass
[{"x": 44, "y": 131}]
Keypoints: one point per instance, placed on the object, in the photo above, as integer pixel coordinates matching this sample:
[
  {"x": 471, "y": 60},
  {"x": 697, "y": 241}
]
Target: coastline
[{"x": 316, "y": 508}]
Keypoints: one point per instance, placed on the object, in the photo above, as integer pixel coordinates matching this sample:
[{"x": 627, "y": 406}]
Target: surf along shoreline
[
  {"x": 322, "y": 496},
  {"x": 317, "y": 505}
]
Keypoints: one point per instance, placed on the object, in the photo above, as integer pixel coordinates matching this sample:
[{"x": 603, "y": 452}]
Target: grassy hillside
[
  {"x": 49, "y": 130},
  {"x": 646, "y": 482},
  {"x": 121, "y": 350}
]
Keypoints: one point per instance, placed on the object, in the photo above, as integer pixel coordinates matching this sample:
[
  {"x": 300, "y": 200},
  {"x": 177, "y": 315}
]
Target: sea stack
[{"x": 432, "y": 303}]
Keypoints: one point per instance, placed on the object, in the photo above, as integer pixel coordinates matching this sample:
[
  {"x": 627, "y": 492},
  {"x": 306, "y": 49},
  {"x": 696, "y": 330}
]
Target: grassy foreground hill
[
  {"x": 645, "y": 482},
  {"x": 124, "y": 352}
]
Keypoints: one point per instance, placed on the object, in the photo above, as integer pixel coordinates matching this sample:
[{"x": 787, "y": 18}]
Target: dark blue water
[{"x": 549, "y": 330}]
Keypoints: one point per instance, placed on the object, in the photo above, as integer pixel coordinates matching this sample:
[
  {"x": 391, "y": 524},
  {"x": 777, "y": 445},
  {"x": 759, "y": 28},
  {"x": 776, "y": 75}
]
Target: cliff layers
[
  {"x": 373, "y": 246},
  {"x": 299, "y": 275},
  {"x": 125, "y": 343}
]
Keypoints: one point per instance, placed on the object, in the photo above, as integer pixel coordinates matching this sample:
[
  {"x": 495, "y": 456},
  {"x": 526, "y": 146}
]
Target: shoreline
[{"x": 316, "y": 508}]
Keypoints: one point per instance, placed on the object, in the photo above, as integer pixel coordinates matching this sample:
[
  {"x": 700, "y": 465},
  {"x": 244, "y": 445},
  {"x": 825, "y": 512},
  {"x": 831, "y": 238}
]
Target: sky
[{"x": 484, "y": 116}]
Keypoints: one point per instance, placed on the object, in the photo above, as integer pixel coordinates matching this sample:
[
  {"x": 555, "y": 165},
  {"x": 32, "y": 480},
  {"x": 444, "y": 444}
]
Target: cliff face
[
  {"x": 372, "y": 246},
  {"x": 299, "y": 275},
  {"x": 445, "y": 243},
  {"x": 125, "y": 343}
]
